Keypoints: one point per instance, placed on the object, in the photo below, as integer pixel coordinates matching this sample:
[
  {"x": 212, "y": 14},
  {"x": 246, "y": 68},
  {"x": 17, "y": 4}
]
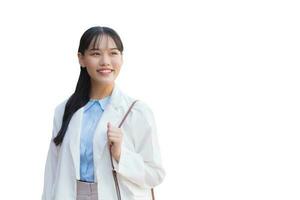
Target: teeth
[{"x": 104, "y": 70}]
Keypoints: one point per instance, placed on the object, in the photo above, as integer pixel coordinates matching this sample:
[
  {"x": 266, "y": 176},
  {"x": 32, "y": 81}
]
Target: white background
[{"x": 222, "y": 78}]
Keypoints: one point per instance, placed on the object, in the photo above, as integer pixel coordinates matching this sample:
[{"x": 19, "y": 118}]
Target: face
[{"x": 103, "y": 63}]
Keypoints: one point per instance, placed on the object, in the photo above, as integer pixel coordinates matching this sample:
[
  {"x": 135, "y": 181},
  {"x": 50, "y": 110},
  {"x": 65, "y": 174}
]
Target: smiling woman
[
  {"x": 102, "y": 61},
  {"x": 88, "y": 142}
]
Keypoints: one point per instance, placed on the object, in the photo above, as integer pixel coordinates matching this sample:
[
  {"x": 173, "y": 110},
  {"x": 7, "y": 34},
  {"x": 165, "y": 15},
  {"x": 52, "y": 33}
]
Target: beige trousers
[{"x": 86, "y": 191}]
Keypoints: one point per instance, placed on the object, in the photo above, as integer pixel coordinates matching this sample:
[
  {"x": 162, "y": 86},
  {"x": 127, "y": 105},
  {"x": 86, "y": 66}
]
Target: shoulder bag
[{"x": 114, "y": 172}]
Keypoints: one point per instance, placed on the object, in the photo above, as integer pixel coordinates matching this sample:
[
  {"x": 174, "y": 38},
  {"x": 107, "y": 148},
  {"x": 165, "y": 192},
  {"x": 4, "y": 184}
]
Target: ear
[{"x": 80, "y": 59}]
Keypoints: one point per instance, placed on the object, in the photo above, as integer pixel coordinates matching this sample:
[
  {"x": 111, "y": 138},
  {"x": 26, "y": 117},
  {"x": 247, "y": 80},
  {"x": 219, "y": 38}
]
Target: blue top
[{"x": 91, "y": 115}]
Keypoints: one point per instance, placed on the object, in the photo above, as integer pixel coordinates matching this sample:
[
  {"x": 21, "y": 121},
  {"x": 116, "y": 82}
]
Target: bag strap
[{"x": 114, "y": 172}]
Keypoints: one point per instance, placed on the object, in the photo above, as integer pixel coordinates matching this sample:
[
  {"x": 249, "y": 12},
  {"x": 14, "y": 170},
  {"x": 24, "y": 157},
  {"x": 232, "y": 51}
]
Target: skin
[{"x": 106, "y": 55}]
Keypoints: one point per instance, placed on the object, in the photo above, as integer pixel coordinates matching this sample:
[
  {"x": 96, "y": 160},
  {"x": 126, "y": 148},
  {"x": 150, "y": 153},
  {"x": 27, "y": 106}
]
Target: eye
[{"x": 114, "y": 53}]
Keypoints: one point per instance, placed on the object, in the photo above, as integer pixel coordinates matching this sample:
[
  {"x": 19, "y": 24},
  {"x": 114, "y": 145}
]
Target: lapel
[{"x": 112, "y": 113}]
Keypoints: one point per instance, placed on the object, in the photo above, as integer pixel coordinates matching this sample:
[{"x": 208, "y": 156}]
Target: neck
[{"x": 100, "y": 91}]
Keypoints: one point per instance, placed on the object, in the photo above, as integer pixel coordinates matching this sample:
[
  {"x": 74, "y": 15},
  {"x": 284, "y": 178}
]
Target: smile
[{"x": 104, "y": 71}]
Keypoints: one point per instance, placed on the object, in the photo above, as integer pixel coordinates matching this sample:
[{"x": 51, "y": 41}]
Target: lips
[{"x": 104, "y": 71}]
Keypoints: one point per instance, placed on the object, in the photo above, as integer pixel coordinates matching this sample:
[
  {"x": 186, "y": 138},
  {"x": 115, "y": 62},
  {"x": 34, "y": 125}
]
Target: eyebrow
[{"x": 95, "y": 49}]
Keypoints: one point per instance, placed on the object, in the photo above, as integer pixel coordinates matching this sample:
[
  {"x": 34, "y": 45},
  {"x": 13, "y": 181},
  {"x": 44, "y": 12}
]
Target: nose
[{"x": 105, "y": 60}]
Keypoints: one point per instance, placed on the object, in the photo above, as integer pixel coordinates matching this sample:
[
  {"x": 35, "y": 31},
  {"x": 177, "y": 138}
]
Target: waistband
[{"x": 86, "y": 188}]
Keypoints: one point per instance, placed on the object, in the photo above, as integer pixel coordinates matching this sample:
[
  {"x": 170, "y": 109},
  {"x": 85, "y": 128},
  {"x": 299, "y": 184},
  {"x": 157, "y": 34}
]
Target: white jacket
[{"x": 139, "y": 168}]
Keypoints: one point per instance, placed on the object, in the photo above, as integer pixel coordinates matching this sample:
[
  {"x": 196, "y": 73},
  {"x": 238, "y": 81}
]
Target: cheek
[
  {"x": 91, "y": 62},
  {"x": 117, "y": 64}
]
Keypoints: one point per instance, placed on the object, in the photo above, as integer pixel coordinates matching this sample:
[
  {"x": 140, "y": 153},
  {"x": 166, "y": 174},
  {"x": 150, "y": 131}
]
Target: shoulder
[
  {"x": 60, "y": 108},
  {"x": 141, "y": 107},
  {"x": 141, "y": 113},
  {"x": 127, "y": 101}
]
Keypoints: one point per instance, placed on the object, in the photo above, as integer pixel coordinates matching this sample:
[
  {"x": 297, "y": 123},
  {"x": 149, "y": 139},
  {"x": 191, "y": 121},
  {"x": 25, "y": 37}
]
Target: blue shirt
[{"x": 91, "y": 115}]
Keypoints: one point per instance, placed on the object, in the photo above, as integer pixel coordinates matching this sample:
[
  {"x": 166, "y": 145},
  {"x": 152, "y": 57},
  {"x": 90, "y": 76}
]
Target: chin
[{"x": 106, "y": 81}]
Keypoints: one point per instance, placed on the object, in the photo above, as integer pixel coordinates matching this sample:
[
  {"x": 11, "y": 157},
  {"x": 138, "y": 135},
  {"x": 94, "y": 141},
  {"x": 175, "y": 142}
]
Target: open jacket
[{"x": 139, "y": 168}]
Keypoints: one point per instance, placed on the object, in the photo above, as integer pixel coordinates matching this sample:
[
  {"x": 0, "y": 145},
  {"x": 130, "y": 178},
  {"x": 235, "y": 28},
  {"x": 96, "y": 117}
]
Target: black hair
[{"x": 81, "y": 95}]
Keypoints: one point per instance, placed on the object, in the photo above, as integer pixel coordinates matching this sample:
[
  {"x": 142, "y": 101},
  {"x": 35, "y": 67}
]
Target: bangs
[
  {"x": 96, "y": 41},
  {"x": 92, "y": 38}
]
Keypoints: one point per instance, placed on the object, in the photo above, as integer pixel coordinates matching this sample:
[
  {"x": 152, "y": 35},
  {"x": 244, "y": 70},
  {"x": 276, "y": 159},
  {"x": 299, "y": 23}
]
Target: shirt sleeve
[
  {"x": 142, "y": 165},
  {"x": 51, "y": 163}
]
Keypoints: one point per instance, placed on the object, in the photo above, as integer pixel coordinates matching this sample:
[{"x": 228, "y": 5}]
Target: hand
[{"x": 115, "y": 137}]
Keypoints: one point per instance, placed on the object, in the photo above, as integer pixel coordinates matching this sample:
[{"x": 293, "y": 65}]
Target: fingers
[
  {"x": 114, "y": 134},
  {"x": 114, "y": 139},
  {"x": 112, "y": 129}
]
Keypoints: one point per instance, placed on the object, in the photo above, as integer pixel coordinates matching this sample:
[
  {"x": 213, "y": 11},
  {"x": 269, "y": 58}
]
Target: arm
[
  {"x": 143, "y": 165},
  {"x": 51, "y": 163}
]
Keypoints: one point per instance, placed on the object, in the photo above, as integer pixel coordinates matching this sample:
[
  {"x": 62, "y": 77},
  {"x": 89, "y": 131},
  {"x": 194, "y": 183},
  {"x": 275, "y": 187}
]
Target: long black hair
[{"x": 81, "y": 95}]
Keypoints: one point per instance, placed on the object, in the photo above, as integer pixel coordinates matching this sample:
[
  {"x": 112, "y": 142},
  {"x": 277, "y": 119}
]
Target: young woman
[{"x": 87, "y": 141}]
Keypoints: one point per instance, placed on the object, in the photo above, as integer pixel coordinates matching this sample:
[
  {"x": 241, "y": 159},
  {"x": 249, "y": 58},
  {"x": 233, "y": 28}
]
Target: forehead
[{"x": 102, "y": 42}]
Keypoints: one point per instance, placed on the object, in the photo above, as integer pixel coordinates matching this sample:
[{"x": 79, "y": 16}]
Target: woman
[{"x": 86, "y": 140}]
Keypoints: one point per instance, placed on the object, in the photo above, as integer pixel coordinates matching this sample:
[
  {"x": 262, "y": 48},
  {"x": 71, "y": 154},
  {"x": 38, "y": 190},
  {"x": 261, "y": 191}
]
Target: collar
[
  {"x": 113, "y": 99},
  {"x": 102, "y": 102},
  {"x": 116, "y": 97}
]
